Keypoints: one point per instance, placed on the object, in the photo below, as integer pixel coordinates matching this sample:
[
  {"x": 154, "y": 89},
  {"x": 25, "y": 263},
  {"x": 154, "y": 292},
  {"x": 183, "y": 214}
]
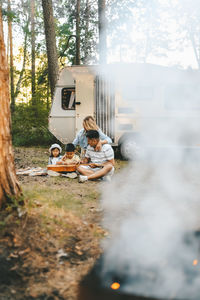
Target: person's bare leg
[
  {"x": 100, "y": 173},
  {"x": 84, "y": 171}
]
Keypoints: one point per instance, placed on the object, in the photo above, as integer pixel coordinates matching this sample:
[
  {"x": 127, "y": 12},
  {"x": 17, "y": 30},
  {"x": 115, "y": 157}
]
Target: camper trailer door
[
  {"x": 84, "y": 98},
  {"x": 62, "y": 115}
]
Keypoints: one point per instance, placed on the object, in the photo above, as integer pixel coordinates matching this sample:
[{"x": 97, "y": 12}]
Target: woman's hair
[{"x": 90, "y": 124}]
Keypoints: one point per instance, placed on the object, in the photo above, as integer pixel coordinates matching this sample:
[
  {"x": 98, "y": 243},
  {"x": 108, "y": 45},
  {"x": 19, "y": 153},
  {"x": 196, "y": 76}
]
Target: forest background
[{"x": 153, "y": 31}]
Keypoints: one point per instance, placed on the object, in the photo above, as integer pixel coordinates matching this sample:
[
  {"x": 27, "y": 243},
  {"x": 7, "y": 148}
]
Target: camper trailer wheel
[{"x": 129, "y": 149}]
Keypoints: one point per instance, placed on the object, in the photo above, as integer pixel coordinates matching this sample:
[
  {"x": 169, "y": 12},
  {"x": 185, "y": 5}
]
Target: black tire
[{"x": 129, "y": 149}]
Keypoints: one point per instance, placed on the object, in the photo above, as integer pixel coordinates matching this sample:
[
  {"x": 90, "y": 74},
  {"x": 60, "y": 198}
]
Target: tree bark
[
  {"x": 102, "y": 31},
  {"x": 78, "y": 60},
  {"x": 87, "y": 17},
  {"x": 194, "y": 47},
  {"x": 9, "y": 186},
  {"x": 48, "y": 94},
  {"x": 11, "y": 58},
  {"x": 18, "y": 85},
  {"x": 33, "y": 50},
  {"x": 52, "y": 55}
]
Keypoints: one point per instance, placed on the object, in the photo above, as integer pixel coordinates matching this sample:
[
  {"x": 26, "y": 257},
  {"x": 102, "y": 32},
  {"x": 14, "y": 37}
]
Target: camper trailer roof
[
  {"x": 130, "y": 72},
  {"x": 70, "y": 73}
]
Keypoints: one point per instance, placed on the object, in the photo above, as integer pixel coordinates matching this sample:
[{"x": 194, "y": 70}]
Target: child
[
  {"x": 55, "y": 154},
  {"x": 70, "y": 157}
]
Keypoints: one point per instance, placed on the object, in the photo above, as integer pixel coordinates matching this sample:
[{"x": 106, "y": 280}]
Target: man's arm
[
  {"x": 85, "y": 160},
  {"x": 111, "y": 161},
  {"x": 103, "y": 139}
]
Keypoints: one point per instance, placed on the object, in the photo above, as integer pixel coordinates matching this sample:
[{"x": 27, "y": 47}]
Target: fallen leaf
[
  {"x": 24, "y": 251},
  {"x": 13, "y": 255}
]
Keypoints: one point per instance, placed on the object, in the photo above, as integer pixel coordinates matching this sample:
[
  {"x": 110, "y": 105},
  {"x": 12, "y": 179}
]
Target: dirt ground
[{"x": 50, "y": 243}]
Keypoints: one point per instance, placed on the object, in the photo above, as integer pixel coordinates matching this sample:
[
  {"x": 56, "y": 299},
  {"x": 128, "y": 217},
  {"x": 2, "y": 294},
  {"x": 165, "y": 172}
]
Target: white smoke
[{"x": 152, "y": 206}]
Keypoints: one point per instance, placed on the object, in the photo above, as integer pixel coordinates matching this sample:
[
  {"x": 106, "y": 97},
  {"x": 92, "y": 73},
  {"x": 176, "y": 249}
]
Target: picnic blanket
[
  {"x": 32, "y": 171},
  {"x": 43, "y": 172}
]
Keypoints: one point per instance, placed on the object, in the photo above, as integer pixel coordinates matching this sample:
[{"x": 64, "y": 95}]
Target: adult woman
[{"x": 81, "y": 139}]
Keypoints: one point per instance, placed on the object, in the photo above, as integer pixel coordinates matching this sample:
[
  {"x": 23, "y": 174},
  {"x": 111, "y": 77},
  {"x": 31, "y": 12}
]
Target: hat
[{"x": 55, "y": 146}]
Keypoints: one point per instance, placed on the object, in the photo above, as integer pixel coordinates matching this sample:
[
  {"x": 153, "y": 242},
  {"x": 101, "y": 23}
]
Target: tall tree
[
  {"x": 18, "y": 85},
  {"x": 88, "y": 30},
  {"x": 87, "y": 17},
  {"x": 187, "y": 14},
  {"x": 78, "y": 60},
  {"x": 10, "y": 37},
  {"x": 102, "y": 31},
  {"x": 9, "y": 186},
  {"x": 89, "y": 25},
  {"x": 33, "y": 50},
  {"x": 52, "y": 55}
]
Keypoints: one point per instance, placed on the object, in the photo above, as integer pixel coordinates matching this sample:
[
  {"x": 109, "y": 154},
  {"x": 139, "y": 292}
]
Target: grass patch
[{"x": 49, "y": 197}]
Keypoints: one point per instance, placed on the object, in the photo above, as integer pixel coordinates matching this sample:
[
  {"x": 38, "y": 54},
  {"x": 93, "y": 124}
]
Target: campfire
[
  {"x": 195, "y": 262},
  {"x": 113, "y": 285}
]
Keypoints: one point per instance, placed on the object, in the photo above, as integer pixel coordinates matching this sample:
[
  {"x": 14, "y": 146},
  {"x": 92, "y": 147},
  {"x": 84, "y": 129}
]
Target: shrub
[{"x": 30, "y": 126}]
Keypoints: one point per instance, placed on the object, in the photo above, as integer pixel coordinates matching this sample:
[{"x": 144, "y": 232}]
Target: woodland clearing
[{"x": 48, "y": 244}]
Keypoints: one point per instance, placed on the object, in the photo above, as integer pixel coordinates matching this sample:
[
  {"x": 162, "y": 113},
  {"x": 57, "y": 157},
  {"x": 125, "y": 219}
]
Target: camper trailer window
[
  {"x": 182, "y": 97},
  {"x": 68, "y": 98},
  {"x": 125, "y": 110},
  {"x": 142, "y": 93}
]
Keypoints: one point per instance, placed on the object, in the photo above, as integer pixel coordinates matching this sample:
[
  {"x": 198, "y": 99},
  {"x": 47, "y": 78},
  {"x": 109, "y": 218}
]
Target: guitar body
[{"x": 62, "y": 168}]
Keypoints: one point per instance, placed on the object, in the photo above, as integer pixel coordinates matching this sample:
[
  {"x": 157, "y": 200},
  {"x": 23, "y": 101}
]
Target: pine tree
[
  {"x": 49, "y": 25},
  {"x": 9, "y": 186}
]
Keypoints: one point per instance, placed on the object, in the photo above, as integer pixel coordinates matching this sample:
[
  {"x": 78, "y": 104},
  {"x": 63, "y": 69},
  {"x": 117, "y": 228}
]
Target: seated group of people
[{"x": 97, "y": 155}]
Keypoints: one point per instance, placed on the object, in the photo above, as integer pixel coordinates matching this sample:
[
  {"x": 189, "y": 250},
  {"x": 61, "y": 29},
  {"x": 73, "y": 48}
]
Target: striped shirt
[{"x": 100, "y": 157}]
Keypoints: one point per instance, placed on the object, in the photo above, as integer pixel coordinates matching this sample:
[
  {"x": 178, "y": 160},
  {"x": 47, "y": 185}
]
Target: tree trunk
[
  {"x": 48, "y": 94},
  {"x": 11, "y": 58},
  {"x": 78, "y": 32},
  {"x": 8, "y": 46},
  {"x": 87, "y": 16},
  {"x": 33, "y": 50},
  {"x": 194, "y": 47},
  {"x": 52, "y": 55},
  {"x": 102, "y": 31},
  {"x": 9, "y": 186},
  {"x": 18, "y": 85}
]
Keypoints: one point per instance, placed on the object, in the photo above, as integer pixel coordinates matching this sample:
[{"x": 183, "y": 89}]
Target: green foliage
[
  {"x": 66, "y": 42},
  {"x": 30, "y": 125},
  {"x": 2, "y": 225},
  {"x": 65, "y": 13},
  {"x": 11, "y": 15},
  {"x": 13, "y": 203}
]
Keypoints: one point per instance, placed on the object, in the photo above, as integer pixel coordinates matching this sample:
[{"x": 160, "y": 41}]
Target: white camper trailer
[{"x": 125, "y": 99}]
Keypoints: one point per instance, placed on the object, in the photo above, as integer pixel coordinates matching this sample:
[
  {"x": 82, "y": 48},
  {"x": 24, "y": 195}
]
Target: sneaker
[
  {"x": 71, "y": 175},
  {"x": 53, "y": 173},
  {"x": 82, "y": 178}
]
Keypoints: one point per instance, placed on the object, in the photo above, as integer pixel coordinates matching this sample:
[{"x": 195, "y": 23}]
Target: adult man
[{"x": 101, "y": 163}]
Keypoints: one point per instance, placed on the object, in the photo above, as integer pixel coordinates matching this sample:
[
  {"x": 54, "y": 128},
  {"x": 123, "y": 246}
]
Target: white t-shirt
[
  {"x": 54, "y": 160},
  {"x": 100, "y": 157}
]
